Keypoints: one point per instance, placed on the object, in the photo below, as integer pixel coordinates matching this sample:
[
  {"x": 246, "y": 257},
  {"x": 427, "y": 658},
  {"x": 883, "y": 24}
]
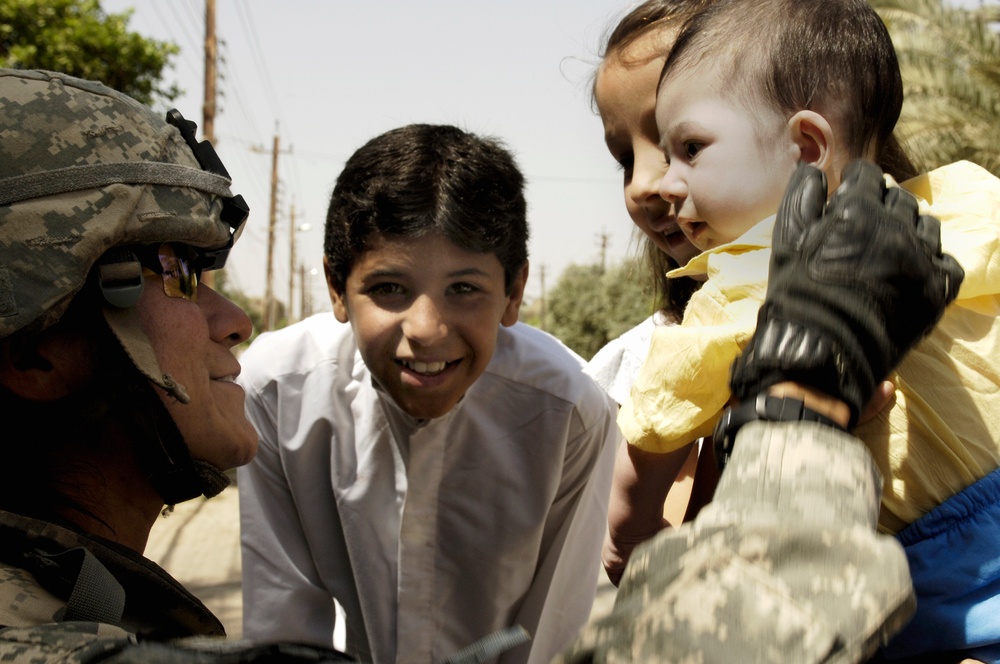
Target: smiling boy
[
  {"x": 437, "y": 468},
  {"x": 426, "y": 315}
]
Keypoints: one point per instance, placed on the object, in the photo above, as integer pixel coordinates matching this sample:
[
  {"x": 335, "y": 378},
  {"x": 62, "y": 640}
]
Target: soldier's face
[{"x": 193, "y": 342}]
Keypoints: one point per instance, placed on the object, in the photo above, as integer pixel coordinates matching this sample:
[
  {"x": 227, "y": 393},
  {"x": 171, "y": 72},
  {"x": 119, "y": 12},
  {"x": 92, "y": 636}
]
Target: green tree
[
  {"x": 76, "y": 37},
  {"x": 588, "y": 307},
  {"x": 950, "y": 61}
]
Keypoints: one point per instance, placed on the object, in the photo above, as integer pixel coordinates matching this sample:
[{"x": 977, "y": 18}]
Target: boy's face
[
  {"x": 728, "y": 167},
  {"x": 626, "y": 98},
  {"x": 425, "y": 315}
]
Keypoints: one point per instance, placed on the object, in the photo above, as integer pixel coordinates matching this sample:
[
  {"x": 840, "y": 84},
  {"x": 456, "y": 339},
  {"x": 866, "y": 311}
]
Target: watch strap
[{"x": 762, "y": 408}]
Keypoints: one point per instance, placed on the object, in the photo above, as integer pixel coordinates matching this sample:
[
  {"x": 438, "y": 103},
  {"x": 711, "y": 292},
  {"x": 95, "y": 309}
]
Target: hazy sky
[{"x": 327, "y": 75}]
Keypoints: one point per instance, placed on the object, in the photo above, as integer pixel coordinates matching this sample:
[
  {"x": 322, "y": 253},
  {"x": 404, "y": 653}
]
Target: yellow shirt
[{"x": 942, "y": 432}]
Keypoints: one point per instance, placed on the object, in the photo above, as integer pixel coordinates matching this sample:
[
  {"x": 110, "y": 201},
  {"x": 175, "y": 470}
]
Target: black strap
[
  {"x": 763, "y": 407},
  {"x": 94, "y": 593}
]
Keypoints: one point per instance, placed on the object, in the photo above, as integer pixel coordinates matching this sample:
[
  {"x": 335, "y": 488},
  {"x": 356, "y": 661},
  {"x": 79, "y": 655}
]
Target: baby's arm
[{"x": 635, "y": 509}]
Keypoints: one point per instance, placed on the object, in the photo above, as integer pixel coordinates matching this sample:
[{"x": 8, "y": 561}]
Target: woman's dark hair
[
  {"x": 671, "y": 295},
  {"x": 649, "y": 17}
]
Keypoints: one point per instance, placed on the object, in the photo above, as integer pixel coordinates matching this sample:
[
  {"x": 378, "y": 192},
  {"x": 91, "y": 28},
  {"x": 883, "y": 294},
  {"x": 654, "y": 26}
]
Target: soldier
[
  {"x": 785, "y": 564},
  {"x": 117, "y": 372}
]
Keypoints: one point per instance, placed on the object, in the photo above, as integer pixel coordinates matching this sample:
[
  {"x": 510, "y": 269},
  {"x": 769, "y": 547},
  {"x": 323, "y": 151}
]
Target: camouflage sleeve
[
  {"x": 785, "y": 564},
  {"x": 78, "y": 642}
]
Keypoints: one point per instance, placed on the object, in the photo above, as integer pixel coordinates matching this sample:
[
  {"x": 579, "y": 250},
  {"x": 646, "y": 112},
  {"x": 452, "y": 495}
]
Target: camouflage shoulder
[
  {"x": 23, "y": 601},
  {"x": 88, "y": 643},
  {"x": 65, "y": 642},
  {"x": 784, "y": 565}
]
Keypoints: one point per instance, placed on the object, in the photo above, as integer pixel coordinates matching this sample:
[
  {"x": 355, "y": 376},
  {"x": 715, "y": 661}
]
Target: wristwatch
[{"x": 763, "y": 407}]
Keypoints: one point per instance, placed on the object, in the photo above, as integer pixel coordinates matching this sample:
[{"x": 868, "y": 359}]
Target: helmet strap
[
  {"x": 173, "y": 472},
  {"x": 124, "y": 323},
  {"x": 162, "y": 452}
]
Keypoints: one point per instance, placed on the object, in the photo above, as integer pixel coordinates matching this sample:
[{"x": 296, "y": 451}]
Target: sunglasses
[{"x": 178, "y": 265}]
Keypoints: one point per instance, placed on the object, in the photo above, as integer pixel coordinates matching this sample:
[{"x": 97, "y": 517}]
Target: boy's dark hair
[
  {"x": 423, "y": 179},
  {"x": 831, "y": 56}
]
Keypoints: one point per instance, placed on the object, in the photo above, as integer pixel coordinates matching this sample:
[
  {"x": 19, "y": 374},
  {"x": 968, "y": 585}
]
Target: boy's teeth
[{"x": 426, "y": 367}]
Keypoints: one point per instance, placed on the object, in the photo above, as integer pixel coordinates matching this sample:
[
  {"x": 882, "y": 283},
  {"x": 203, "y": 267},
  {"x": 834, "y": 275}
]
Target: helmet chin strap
[
  {"x": 175, "y": 475},
  {"x": 126, "y": 328}
]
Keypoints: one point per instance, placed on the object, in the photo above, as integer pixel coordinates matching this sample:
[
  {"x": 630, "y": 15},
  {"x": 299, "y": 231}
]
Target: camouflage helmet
[
  {"x": 86, "y": 173},
  {"x": 84, "y": 168}
]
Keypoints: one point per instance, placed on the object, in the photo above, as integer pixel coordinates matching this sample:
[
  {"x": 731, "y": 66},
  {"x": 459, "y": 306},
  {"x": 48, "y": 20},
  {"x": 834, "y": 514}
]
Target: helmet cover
[{"x": 84, "y": 168}]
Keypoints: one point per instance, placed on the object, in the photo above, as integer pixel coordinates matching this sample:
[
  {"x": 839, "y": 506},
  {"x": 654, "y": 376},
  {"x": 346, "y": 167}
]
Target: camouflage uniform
[
  {"x": 85, "y": 173},
  {"x": 39, "y": 564},
  {"x": 783, "y": 566}
]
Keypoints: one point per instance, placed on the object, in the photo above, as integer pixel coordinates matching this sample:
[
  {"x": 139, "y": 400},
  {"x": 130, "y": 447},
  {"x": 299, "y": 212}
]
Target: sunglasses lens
[{"x": 180, "y": 279}]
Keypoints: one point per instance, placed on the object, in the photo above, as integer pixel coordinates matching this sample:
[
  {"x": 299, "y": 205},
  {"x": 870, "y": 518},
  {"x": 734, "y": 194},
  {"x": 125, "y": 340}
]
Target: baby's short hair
[
  {"x": 423, "y": 179},
  {"x": 831, "y": 56}
]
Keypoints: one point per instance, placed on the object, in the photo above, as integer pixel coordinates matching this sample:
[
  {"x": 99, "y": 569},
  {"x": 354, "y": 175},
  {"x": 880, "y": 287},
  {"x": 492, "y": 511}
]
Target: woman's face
[{"x": 625, "y": 92}]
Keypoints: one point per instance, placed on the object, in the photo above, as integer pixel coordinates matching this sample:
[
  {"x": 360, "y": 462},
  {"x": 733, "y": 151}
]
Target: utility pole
[
  {"x": 211, "y": 58},
  {"x": 273, "y": 221},
  {"x": 208, "y": 109},
  {"x": 268, "y": 312},
  {"x": 541, "y": 270},
  {"x": 303, "y": 303},
  {"x": 307, "y": 296},
  {"x": 603, "y": 238},
  {"x": 291, "y": 265}
]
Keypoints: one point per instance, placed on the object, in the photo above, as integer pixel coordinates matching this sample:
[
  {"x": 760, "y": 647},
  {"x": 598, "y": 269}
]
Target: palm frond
[{"x": 950, "y": 62}]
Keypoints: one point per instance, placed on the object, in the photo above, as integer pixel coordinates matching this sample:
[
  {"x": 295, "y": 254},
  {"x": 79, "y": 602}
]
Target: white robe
[{"x": 430, "y": 534}]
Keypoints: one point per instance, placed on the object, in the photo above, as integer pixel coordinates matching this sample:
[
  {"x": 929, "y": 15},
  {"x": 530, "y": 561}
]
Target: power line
[
  {"x": 256, "y": 49},
  {"x": 184, "y": 53},
  {"x": 233, "y": 91},
  {"x": 194, "y": 42}
]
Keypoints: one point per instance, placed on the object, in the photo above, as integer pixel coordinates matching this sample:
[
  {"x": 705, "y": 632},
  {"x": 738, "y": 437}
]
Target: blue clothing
[{"x": 954, "y": 557}]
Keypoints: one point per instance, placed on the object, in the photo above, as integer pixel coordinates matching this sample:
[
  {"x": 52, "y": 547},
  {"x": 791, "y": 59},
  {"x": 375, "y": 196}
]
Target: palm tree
[{"x": 950, "y": 61}]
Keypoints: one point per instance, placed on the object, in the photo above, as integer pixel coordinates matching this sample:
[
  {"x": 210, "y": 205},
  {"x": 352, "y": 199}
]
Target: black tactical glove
[{"x": 851, "y": 288}]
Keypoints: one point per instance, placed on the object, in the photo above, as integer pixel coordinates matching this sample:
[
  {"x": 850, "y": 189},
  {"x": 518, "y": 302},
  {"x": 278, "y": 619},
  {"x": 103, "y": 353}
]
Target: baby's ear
[
  {"x": 513, "y": 310},
  {"x": 814, "y": 136}
]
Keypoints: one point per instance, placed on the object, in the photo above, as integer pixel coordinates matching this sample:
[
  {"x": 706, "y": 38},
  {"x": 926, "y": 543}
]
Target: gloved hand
[{"x": 851, "y": 287}]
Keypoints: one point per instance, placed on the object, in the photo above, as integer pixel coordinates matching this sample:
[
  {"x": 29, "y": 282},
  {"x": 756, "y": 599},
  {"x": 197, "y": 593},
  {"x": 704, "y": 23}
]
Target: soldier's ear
[{"x": 45, "y": 367}]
